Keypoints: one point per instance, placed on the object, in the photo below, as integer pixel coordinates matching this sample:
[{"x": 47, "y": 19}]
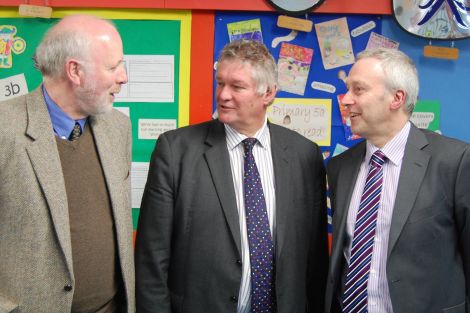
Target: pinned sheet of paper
[
  {"x": 151, "y": 79},
  {"x": 153, "y": 128},
  {"x": 335, "y": 43},
  {"x": 139, "y": 173},
  {"x": 426, "y": 114},
  {"x": 12, "y": 87},
  {"x": 309, "y": 117},
  {"x": 379, "y": 41},
  {"x": 346, "y": 121},
  {"x": 250, "y": 29},
  {"x": 293, "y": 68}
]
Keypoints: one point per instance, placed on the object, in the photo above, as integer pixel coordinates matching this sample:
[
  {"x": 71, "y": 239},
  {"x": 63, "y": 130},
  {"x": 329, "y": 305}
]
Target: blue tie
[
  {"x": 355, "y": 293},
  {"x": 259, "y": 236}
]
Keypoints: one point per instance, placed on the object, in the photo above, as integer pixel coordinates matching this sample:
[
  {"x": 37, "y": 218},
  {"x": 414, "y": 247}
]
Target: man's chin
[{"x": 101, "y": 109}]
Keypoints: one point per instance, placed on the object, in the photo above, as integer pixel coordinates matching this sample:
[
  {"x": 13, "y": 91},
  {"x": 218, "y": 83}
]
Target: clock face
[{"x": 294, "y": 7}]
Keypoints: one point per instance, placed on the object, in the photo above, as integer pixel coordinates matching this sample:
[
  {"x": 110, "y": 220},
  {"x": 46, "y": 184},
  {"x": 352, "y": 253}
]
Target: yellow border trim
[{"x": 184, "y": 16}]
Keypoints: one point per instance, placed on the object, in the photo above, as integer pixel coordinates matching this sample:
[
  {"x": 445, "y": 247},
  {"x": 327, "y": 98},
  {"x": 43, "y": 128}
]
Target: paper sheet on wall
[
  {"x": 151, "y": 78},
  {"x": 139, "y": 172},
  {"x": 309, "y": 117},
  {"x": 293, "y": 68},
  {"x": 12, "y": 87},
  {"x": 427, "y": 115},
  {"x": 250, "y": 29},
  {"x": 153, "y": 128},
  {"x": 379, "y": 41},
  {"x": 346, "y": 121},
  {"x": 335, "y": 43}
]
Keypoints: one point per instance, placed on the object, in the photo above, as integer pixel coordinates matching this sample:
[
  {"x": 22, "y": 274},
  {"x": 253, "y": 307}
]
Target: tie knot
[
  {"x": 378, "y": 159},
  {"x": 249, "y": 143},
  {"x": 76, "y": 132}
]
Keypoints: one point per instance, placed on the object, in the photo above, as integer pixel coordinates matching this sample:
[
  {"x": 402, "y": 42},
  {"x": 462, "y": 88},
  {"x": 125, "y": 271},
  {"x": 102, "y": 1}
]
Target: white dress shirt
[{"x": 264, "y": 162}]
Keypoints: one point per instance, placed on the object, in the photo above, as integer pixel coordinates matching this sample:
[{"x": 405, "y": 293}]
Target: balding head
[{"x": 73, "y": 37}]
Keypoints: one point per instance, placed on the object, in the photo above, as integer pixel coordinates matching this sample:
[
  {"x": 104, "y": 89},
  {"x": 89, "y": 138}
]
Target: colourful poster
[
  {"x": 335, "y": 43},
  {"x": 309, "y": 117},
  {"x": 250, "y": 29},
  {"x": 346, "y": 121},
  {"x": 293, "y": 68},
  {"x": 379, "y": 41}
]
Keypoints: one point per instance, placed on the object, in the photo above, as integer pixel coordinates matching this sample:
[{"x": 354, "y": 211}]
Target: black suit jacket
[
  {"x": 188, "y": 240},
  {"x": 428, "y": 260}
]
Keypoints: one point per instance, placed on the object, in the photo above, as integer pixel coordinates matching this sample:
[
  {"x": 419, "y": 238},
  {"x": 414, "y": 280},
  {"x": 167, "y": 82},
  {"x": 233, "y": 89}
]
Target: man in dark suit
[
  {"x": 194, "y": 248},
  {"x": 412, "y": 255},
  {"x": 65, "y": 153}
]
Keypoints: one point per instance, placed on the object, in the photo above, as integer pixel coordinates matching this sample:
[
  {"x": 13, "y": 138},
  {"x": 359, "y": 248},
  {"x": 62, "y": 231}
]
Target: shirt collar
[
  {"x": 234, "y": 138},
  {"x": 61, "y": 122},
  {"x": 394, "y": 149}
]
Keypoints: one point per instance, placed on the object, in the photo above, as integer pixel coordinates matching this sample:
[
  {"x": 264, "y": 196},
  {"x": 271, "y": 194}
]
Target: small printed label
[
  {"x": 12, "y": 87},
  {"x": 364, "y": 28},
  {"x": 323, "y": 87},
  {"x": 35, "y": 11}
]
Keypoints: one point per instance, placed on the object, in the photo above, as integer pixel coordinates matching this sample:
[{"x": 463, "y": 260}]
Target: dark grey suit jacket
[
  {"x": 35, "y": 247},
  {"x": 188, "y": 238},
  {"x": 428, "y": 265}
]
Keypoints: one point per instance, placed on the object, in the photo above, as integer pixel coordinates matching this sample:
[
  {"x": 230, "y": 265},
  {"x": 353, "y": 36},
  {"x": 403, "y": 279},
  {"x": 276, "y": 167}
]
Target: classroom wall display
[
  {"x": 156, "y": 54},
  {"x": 312, "y": 68}
]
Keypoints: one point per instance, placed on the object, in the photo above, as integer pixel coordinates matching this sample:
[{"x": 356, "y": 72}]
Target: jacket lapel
[
  {"x": 413, "y": 169},
  {"x": 345, "y": 186},
  {"x": 114, "y": 170},
  {"x": 282, "y": 176},
  {"x": 218, "y": 161},
  {"x": 46, "y": 163}
]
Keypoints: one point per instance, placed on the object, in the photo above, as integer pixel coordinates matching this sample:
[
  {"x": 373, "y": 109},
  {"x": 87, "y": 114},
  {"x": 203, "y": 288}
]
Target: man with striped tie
[{"x": 400, "y": 201}]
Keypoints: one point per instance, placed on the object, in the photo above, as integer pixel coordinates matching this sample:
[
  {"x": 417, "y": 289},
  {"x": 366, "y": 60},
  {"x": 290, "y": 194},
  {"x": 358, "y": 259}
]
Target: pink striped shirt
[{"x": 378, "y": 294}]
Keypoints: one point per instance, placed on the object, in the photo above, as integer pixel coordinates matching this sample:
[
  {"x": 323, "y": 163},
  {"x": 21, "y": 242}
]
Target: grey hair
[
  {"x": 264, "y": 67},
  {"x": 58, "y": 46},
  {"x": 399, "y": 71}
]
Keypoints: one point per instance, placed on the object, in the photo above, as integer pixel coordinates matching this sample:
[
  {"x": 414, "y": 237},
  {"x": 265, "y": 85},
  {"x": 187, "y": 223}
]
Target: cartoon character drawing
[{"x": 8, "y": 44}]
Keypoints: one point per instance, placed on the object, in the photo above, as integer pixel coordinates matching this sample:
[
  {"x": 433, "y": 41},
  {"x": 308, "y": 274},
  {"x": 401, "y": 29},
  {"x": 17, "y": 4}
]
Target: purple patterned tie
[
  {"x": 259, "y": 236},
  {"x": 355, "y": 291}
]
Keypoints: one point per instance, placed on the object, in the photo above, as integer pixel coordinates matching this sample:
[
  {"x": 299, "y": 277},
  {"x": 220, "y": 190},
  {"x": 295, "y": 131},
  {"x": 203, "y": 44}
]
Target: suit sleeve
[
  {"x": 462, "y": 210},
  {"x": 153, "y": 242},
  {"x": 318, "y": 257}
]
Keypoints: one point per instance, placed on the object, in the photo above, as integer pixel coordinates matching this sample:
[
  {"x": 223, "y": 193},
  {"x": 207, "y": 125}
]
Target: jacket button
[
  {"x": 234, "y": 299},
  {"x": 239, "y": 262},
  {"x": 68, "y": 287}
]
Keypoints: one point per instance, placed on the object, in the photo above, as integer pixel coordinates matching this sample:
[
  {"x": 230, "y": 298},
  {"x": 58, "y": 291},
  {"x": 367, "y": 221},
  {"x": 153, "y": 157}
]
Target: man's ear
[
  {"x": 270, "y": 95},
  {"x": 74, "y": 71},
  {"x": 398, "y": 101}
]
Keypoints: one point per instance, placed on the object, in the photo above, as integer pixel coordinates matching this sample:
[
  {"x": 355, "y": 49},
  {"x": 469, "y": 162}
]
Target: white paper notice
[
  {"x": 139, "y": 172},
  {"x": 150, "y": 79},
  {"x": 152, "y": 128},
  {"x": 12, "y": 87}
]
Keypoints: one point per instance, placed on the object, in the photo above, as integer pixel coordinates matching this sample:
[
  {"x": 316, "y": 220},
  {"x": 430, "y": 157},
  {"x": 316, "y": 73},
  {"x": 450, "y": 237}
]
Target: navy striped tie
[
  {"x": 259, "y": 236},
  {"x": 355, "y": 291}
]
